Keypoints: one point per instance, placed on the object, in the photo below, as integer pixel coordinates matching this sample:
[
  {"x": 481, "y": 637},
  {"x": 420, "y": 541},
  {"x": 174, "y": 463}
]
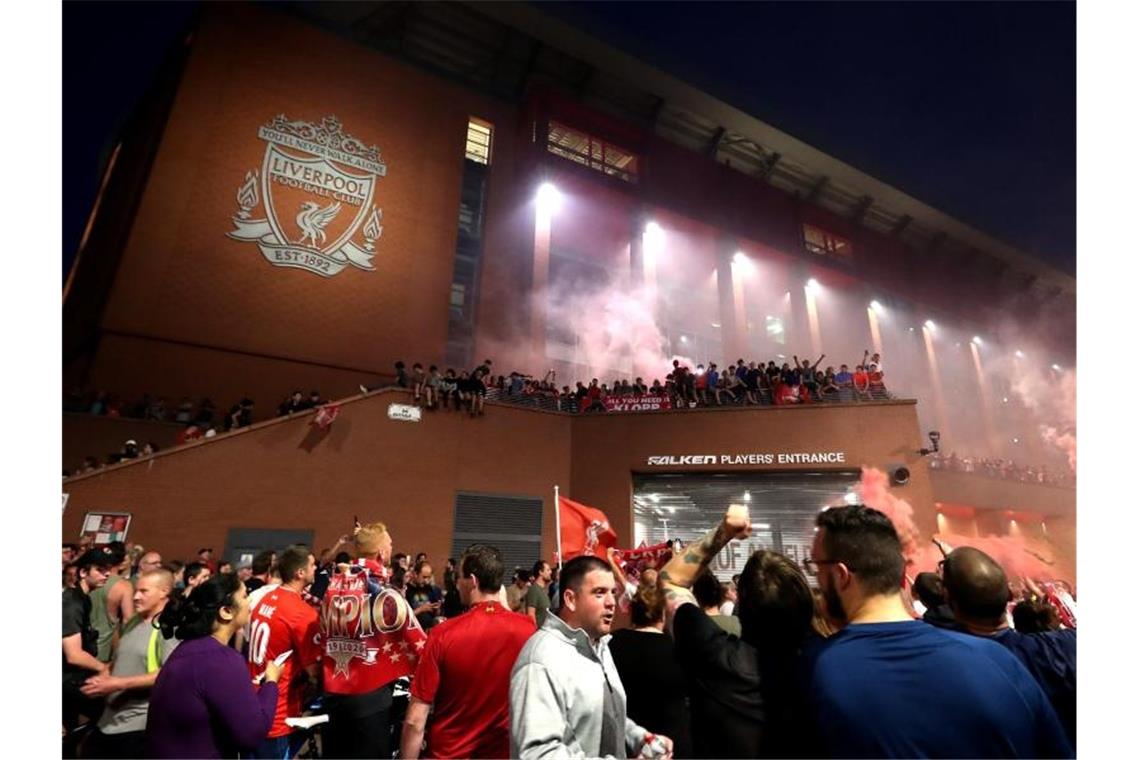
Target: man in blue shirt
[
  {"x": 891, "y": 686},
  {"x": 978, "y": 592}
]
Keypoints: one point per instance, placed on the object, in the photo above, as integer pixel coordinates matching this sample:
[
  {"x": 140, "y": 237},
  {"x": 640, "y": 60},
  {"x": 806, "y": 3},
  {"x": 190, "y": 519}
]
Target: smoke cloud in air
[{"x": 1016, "y": 554}]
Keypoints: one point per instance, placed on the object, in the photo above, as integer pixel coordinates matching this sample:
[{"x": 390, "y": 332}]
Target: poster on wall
[{"x": 105, "y": 527}]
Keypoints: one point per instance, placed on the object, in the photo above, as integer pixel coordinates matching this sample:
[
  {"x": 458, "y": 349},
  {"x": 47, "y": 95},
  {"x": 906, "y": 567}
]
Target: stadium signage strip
[{"x": 766, "y": 458}]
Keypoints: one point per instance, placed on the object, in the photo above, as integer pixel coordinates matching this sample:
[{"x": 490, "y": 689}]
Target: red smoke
[{"x": 1017, "y": 555}]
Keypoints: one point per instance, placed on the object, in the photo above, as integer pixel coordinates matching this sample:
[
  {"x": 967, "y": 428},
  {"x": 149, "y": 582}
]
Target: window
[
  {"x": 591, "y": 152},
  {"x": 478, "y": 141},
  {"x": 823, "y": 243}
]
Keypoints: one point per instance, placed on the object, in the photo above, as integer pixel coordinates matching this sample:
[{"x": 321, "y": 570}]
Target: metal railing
[{"x": 550, "y": 403}]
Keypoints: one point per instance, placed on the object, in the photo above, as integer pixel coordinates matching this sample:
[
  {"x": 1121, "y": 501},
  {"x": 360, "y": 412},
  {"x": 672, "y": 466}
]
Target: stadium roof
[{"x": 504, "y": 48}]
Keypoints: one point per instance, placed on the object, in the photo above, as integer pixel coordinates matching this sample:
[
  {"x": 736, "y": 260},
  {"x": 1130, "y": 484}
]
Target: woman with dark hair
[
  {"x": 203, "y": 704},
  {"x": 646, "y": 660}
]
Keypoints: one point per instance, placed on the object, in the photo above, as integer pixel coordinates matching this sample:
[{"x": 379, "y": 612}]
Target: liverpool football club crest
[{"x": 315, "y": 190}]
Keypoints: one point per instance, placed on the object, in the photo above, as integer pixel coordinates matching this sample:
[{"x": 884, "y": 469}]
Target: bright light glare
[
  {"x": 813, "y": 285},
  {"x": 929, "y": 324},
  {"x": 976, "y": 341},
  {"x": 876, "y": 307},
  {"x": 684, "y": 339},
  {"x": 747, "y": 496},
  {"x": 1057, "y": 367},
  {"x": 548, "y": 198},
  {"x": 1019, "y": 355},
  {"x": 655, "y": 498},
  {"x": 763, "y": 526},
  {"x": 743, "y": 262},
  {"x": 654, "y": 237}
]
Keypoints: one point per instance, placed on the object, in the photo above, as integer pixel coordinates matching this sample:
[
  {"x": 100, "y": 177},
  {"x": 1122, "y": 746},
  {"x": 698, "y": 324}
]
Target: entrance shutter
[{"x": 512, "y": 524}]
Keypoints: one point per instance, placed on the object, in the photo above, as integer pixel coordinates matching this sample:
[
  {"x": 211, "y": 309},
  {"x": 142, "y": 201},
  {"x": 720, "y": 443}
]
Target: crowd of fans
[
  {"x": 204, "y": 659},
  {"x": 740, "y": 384},
  {"x": 1005, "y": 469},
  {"x": 752, "y": 383}
]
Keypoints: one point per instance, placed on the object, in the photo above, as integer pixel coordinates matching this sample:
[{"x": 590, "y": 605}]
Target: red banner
[
  {"x": 634, "y": 562},
  {"x": 325, "y": 416},
  {"x": 638, "y": 403}
]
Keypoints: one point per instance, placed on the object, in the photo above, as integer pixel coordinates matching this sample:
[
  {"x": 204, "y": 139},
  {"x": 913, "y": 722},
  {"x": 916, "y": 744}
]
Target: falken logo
[
  {"x": 315, "y": 187},
  {"x": 686, "y": 459}
]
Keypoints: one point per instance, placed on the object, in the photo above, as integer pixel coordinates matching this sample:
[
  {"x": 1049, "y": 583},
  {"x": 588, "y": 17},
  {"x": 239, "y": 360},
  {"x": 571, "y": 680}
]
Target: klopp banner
[
  {"x": 369, "y": 633},
  {"x": 585, "y": 530},
  {"x": 634, "y": 562},
  {"x": 645, "y": 557},
  {"x": 640, "y": 403}
]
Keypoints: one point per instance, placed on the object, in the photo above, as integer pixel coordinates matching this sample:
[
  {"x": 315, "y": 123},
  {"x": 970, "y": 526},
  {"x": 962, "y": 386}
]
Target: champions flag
[{"x": 583, "y": 530}]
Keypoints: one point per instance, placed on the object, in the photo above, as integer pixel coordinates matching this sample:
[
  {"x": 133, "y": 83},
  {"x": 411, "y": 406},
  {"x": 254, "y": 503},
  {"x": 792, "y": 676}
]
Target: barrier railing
[{"x": 550, "y": 403}]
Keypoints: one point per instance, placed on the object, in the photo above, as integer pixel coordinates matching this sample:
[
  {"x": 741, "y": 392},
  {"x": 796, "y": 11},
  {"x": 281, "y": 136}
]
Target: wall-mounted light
[{"x": 548, "y": 198}]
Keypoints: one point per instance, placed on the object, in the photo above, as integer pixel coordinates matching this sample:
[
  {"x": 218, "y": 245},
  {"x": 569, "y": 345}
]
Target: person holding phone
[{"x": 424, "y": 596}]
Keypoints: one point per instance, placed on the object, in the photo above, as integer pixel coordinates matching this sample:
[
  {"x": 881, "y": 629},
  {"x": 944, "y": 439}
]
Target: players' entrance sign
[
  {"x": 315, "y": 188},
  {"x": 756, "y": 458}
]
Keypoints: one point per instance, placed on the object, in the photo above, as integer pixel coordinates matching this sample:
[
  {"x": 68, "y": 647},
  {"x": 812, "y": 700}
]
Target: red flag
[
  {"x": 325, "y": 415},
  {"x": 585, "y": 530},
  {"x": 369, "y": 633}
]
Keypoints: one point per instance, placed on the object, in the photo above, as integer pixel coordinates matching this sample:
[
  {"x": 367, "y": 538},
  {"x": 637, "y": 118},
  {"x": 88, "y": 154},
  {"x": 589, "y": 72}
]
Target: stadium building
[{"x": 313, "y": 192}]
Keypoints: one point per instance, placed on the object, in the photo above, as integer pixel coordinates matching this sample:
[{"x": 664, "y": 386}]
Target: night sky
[{"x": 969, "y": 107}]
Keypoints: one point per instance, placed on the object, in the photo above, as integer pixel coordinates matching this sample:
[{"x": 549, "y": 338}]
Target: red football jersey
[
  {"x": 281, "y": 622},
  {"x": 465, "y": 672}
]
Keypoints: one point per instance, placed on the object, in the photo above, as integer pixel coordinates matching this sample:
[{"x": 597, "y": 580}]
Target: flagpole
[{"x": 558, "y": 527}]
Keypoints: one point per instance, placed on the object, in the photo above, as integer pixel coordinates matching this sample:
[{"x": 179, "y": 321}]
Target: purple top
[{"x": 204, "y": 705}]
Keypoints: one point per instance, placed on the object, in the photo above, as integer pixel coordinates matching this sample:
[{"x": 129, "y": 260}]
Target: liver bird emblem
[{"x": 313, "y": 219}]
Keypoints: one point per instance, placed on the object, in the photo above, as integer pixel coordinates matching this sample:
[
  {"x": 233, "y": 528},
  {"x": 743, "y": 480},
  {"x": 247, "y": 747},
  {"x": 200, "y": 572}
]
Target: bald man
[
  {"x": 141, "y": 652},
  {"x": 977, "y": 590},
  {"x": 149, "y": 562}
]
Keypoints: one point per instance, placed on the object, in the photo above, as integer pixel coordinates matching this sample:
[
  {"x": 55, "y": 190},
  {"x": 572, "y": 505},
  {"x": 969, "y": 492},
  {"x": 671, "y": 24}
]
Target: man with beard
[
  {"x": 567, "y": 698},
  {"x": 888, "y": 685}
]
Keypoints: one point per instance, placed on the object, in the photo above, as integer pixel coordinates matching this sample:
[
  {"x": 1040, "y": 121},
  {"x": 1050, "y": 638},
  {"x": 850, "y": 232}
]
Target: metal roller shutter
[
  {"x": 512, "y": 524},
  {"x": 783, "y": 507}
]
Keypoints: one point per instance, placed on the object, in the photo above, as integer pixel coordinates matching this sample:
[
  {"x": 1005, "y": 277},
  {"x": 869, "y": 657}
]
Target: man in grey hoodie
[{"x": 567, "y": 699}]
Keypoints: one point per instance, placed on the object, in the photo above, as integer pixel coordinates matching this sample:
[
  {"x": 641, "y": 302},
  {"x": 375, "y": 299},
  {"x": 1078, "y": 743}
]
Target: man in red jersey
[
  {"x": 282, "y": 622},
  {"x": 465, "y": 669}
]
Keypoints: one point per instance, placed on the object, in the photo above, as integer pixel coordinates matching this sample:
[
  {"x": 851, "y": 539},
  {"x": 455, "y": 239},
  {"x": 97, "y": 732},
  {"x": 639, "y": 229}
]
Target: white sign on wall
[
  {"x": 316, "y": 189},
  {"x": 760, "y": 458},
  {"x": 405, "y": 412}
]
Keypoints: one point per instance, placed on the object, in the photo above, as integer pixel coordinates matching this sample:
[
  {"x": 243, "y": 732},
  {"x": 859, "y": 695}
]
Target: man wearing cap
[{"x": 81, "y": 640}]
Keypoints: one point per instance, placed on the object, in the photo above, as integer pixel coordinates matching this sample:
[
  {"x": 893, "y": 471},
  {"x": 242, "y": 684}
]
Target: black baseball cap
[{"x": 98, "y": 557}]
